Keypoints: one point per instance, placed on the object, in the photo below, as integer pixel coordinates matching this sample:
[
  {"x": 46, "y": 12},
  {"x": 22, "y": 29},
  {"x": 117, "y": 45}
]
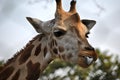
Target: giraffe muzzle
[{"x": 87, "y": 57}]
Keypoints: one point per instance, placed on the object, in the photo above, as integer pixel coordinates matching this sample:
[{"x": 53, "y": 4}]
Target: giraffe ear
[
  {"x": 88, "y": 23},
  {"x": 36, "y": 23}
]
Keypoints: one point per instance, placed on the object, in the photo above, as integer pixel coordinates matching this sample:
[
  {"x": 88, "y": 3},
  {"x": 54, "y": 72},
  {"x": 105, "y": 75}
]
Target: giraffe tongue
[{"x": 89, "y": 60}]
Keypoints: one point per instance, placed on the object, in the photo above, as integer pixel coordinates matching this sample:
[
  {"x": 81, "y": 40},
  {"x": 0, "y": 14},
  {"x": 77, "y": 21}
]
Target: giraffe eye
[
  {"x": 86, "y": 35},
  {"x": 59, "y": 33}
]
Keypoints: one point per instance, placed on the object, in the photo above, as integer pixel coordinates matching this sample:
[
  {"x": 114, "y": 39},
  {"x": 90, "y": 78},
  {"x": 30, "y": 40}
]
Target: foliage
[
  {"x": 107, "y": 67},
  {"x": 1, "y": 64}
]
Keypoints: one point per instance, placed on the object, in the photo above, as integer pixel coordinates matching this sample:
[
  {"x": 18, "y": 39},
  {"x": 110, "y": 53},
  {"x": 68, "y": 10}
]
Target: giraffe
[{"x": 63, "y": 37}]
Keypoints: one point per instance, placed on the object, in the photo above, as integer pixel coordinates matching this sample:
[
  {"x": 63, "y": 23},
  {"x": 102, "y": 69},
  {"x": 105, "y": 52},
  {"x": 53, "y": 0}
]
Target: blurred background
[{"x": 15, "y": 31}]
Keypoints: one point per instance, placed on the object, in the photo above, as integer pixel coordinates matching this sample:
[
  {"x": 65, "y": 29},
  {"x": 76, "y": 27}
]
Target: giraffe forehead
[{"x": 81, "y": 30}]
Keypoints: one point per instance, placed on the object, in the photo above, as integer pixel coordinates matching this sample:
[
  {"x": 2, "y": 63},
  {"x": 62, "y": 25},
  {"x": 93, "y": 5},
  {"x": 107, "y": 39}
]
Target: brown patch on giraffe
[
  {"x": 79, "y": 42},
  {"x": 53, "y": 43},
  {"x": 70, "y": 55},
  {"x": 33, "y": 71},
  {"x": 1, "y": 67},
  {"x": 26, "y": 54},
  {"x": 45, "y": 51},
  {"x": 61, "y": 49},
  {"x": 63, "y": 57},
  {"x": 49, "y": 61},
  {"x": 40, "y": 37},
  {"x": 38, "y": 50},
  {"x": 16, "y": 76},
  {"x": 55, "y": 50},
  {"x": 6, "y": 73}
]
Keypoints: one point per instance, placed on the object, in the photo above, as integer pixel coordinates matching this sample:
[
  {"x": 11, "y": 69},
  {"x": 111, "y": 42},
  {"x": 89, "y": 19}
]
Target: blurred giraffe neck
[{"x": 29, "y": 63}]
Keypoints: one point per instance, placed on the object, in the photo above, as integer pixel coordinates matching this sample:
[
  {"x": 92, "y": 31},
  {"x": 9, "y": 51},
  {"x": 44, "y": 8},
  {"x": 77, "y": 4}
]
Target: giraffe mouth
[
  {"x": 88, "y": 60},
  {"x": 85, "y": 61}
]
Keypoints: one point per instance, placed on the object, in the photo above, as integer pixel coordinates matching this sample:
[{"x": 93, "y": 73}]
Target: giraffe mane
[{"x": 18, "y": 53}]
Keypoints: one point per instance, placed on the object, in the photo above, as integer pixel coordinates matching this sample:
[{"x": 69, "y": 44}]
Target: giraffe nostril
[{"x": 89, "y": 48}]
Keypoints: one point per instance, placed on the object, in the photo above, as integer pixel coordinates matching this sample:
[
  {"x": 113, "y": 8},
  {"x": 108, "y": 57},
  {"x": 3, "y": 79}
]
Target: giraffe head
[{"x": 67, "y": 35}]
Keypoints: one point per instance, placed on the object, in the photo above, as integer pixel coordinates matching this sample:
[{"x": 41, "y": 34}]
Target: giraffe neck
[{"x": 29, "y": 63}]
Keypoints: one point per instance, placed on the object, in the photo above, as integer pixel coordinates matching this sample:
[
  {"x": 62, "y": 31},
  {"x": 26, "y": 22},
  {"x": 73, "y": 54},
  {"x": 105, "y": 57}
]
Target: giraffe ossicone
[{"x": 63, "y": 37}]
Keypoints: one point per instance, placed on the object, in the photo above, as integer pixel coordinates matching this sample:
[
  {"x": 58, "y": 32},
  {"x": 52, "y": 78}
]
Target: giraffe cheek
[{"x": 61, "y": 49}]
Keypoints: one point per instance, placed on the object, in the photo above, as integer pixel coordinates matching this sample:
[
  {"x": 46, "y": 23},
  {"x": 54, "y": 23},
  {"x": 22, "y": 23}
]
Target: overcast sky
[{"x": 15, "y": 31}]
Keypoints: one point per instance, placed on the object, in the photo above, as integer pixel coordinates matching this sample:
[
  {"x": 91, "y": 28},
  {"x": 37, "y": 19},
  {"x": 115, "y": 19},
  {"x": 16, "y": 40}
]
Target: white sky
[{"x": 15, "y": 31}]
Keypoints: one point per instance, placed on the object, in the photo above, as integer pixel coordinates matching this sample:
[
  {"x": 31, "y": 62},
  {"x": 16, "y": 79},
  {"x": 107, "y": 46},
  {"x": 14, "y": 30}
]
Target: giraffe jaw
[{"x": 85, "y": 61}]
